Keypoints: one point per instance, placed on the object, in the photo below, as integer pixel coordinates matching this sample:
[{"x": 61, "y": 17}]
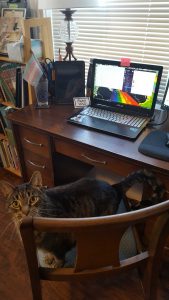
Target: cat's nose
[{"x": 25, "y": 210}]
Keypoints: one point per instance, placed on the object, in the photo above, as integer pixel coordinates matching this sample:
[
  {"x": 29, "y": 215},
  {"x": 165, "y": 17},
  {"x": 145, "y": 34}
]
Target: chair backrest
[{"x": 98, "y": 241}]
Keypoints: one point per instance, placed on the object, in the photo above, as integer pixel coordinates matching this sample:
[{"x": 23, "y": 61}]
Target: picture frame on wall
[{"x": 13, "y": 12}]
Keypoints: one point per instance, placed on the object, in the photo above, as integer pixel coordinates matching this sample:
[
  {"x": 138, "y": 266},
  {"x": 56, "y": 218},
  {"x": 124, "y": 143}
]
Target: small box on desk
[{"x": 16, "y": 50}]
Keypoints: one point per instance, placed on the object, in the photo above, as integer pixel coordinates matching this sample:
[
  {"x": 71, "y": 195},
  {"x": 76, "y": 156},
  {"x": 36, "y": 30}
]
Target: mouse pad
[{"x": 154, "y": 145}]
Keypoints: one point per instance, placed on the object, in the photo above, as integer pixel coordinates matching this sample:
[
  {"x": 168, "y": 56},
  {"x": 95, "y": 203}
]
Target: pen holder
[{"x": 41, "y": 91}]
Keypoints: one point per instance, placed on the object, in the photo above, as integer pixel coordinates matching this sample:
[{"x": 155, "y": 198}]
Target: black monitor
[
  {"x": 69, "y": 81},
  {"x": 165, "y": 103}
]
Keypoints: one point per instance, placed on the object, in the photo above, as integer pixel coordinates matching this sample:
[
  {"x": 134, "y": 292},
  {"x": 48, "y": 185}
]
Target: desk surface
[{"x": 53, "y": 122}]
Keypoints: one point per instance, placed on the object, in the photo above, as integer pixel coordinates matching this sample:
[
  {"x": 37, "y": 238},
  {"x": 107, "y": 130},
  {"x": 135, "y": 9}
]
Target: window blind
[{"x": 136, "y": 29}]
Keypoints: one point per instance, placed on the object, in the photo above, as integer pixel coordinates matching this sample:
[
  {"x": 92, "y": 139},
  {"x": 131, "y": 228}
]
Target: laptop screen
[{"x": 131, "y": 89}]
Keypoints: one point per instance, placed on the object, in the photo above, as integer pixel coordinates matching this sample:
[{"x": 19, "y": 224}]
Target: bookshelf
[{"x": 45, "y": 35}]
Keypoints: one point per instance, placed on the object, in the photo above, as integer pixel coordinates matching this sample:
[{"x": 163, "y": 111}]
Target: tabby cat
[{"x": 87, "y": 197}]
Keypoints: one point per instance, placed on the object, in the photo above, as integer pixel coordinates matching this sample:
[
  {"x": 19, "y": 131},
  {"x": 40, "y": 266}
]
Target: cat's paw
[
  {"x": 48, "y": 259},
  {"x": 52, "y": 261}
]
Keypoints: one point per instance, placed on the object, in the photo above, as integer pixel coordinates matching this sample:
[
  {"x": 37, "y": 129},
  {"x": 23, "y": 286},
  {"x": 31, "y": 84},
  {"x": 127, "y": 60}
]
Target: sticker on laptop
[{"x": 81, "y": 101}]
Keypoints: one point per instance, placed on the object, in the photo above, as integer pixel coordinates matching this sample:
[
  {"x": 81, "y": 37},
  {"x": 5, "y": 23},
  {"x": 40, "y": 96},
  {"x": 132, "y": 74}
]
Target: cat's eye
[
  {"x": 15, "y": 204},
  {"x": 33, "y": 200}
]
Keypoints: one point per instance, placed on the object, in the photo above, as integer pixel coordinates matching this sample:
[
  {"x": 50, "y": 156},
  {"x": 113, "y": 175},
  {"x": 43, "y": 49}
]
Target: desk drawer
[
  {"x": 94, "y": 157},
  {"x": 79, "y": 152},
  {"x": 35, "y": 162},
  {"x": 34, "y": 141}
]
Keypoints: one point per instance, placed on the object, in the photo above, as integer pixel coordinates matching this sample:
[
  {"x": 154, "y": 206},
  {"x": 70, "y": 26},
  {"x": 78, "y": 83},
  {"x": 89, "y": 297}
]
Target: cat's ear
[
  {"x": 36, "y": 179},
  {"x": 6, "y": 188}
]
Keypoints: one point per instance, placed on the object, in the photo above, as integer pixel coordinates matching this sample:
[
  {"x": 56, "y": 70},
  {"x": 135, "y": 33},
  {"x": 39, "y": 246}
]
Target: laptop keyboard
[{"x": 113, "y": 116}]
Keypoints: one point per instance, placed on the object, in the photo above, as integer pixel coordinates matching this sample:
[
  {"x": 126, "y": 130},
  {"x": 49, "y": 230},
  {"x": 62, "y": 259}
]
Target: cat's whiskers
[
  {"x": 4, "y": 225},
  {"x": 4, "y": 215},
  {"x": 19, "y": 220},
  {"x": 13, "y": 233},
  {"x": 6, "y": 228}
]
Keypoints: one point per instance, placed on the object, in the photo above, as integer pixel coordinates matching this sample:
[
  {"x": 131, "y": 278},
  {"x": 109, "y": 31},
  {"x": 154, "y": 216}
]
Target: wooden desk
[{"x": 61, "y": 151}]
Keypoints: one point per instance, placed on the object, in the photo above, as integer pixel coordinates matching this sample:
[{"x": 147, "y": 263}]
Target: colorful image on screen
[{"x": 125, "y": 85}]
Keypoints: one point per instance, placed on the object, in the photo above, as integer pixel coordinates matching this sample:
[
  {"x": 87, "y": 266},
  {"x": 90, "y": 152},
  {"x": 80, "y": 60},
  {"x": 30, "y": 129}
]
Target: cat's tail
[{"x": 146, "y": 178}]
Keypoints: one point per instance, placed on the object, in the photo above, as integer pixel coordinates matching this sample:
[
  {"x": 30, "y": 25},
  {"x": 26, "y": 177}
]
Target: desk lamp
[{"x": 69, "y": 28}]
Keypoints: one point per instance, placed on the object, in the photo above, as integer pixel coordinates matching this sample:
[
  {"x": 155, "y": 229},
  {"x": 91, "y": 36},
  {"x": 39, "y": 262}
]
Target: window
[{"x": 137, "y": 29}]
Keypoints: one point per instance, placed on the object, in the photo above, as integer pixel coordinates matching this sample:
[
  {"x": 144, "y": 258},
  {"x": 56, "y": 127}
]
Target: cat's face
[{"x": 24, "y": 199}]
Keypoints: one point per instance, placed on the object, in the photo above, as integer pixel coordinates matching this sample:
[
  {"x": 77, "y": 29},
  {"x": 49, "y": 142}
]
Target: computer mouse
[{"x": 167, "y": 139}]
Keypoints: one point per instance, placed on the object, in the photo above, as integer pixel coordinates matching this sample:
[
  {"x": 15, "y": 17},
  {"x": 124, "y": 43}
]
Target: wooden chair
[{"x": 98, "y": 241}]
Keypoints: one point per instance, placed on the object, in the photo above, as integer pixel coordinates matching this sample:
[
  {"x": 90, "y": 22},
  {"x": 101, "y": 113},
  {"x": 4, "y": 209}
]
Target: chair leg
[
  {"x": 156, "y": 246},
  {"x": 36, "y": 289},
  {"x": 151, "y": 281},
  {"x": 27, "y": 234}
]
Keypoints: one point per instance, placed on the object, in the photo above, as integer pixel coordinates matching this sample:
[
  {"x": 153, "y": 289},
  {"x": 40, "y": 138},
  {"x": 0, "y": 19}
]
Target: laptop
[{"x": 123, "y": 98}]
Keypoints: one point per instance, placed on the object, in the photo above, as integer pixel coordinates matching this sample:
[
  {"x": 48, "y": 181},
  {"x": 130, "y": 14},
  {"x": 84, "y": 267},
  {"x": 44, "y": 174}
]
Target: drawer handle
[
  {"x": 32, "y": 143},
  {"x": 35, "y": 165},
  {"x": 103, "y": 162}
]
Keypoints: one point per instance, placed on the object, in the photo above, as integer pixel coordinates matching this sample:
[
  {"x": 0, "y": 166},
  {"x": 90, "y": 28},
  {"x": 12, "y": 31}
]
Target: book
[
  {"x": 2, "y": 91},
  {"x": 18, "y": 87},
  {"x": 7, "y": 92},
  {"x": 1, "y": 95},
  {"x": 9, "y": 134},
  {"x": 3, "y": 114},
  {"x": 26, "y": 93},
  {"x": 2, "y": 126},
  {"x": 8, "y": 153},
  {"x": 22, "y": 98},
  {"x": 2, "y": 157},
  {"x": 14, "y": 156},
  {"x": 8, "y": 80},
  {"x": 3, "y": 154}
]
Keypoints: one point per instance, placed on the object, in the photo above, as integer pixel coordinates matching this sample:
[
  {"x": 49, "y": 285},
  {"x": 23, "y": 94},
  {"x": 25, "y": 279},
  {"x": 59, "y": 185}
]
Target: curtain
[{"x": 136, "y": 29}]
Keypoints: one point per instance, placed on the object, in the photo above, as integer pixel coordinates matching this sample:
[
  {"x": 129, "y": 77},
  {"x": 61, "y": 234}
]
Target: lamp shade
[{"x": 49, "y": 4}]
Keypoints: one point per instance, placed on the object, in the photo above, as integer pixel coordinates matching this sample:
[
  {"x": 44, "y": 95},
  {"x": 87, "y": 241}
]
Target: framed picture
[
  {"x": 13, "y": 12},
  {"x": 10, "y": 32}
]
